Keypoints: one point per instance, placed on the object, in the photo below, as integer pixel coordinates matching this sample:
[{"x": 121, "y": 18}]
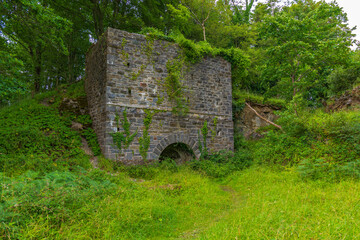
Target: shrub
[
  {"x": 91, "y": 139},
  {"x": 36, "y": 137},
  {"x": 221, "y": 164},
  {"x": 324, "y": 145}
]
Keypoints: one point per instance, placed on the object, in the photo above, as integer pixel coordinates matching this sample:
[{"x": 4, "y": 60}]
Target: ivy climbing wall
[{"x": 144, "y": 96}]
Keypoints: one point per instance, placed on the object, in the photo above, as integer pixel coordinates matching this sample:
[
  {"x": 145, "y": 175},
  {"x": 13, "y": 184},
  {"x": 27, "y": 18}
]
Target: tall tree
[
  {"x": 33, "y": 26},
  {"x": 242, "y": 10},
  {"x": 200, "y": 11},
  {"x": 306, "y": 41}
]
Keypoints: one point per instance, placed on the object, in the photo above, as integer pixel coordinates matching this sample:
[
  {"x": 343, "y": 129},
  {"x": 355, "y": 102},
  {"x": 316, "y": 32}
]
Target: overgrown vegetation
[
  {"x": 300, "y": 182},
  {"x": 144, "y": 140},
  {"x": 123, "y": 139},
  {"x": 174, "y": 86},
  {"x": 322, "y": 145},
  {"x": 36, "y": 137}
]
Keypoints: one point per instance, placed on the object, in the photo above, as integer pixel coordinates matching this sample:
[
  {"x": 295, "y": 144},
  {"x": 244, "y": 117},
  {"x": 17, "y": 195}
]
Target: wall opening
[{"x": 179, "y": 152}]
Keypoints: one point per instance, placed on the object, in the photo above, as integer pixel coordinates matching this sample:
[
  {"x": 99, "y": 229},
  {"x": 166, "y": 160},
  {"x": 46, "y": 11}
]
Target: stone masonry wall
[
  {"x": 95, "y": 87},
  {"x": 135, "y": 73}
]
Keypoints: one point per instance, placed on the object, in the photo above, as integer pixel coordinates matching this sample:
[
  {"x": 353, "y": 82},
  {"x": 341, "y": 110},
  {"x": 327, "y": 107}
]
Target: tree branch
[
  {"x": 263, "y": 118},
  {"x": 193, "y": 14}
]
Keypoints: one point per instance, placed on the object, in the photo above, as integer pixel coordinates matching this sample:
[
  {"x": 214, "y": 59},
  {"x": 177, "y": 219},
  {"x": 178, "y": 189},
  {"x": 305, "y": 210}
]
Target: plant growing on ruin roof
[
  {"x": 124, "y": 138},
  {"x": 144, "y": 141}
]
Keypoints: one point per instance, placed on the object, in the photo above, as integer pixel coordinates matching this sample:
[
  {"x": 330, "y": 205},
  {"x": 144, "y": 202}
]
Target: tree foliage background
[{"x": 299, "y": 49}]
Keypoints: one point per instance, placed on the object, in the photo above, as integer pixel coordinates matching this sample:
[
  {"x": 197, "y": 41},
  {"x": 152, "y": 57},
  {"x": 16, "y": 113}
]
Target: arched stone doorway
[
  {"x": 179, "y": 152},
  {"x": 178, "y": 146}
]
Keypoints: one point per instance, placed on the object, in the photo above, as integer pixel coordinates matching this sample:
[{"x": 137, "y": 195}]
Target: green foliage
[
  {"x": 240, "y": 97},
  {"x": 12, "y": 83},
  {"x": 122, "y": 140},
  {"x": 342, "y": 79},
  {"x": 143, "y": 172},
  {"x": 35, "y": 29},
  {"x": 240, "y": 63},
  {"x": 55, "y": 196},
  {"x": 123, "y": 54},
  {"x": 36, "y": 137},
  {"x": 174, "y": 204},
  {"x": 174, "y": 86},
  {"x": 214, "y": 129},
  {"x": 144, "y": 140},
  {"x": 194, "y": 52},
  {"x": 315, "y": 169},
  {"x": 204, "y": 133},
  {"x": 304, "y": 47},
  {"x": 323, "y": 144},
  {"x": 222, "y": 164},
  {"x": 155, "y": 33},
  {"x": 202, "y": 140},
  {"x": 135, "y": 75},
  {"x": 88, "y": 204},
  {"x": 91, "y": 139},
  {"x": 280, "y": 205}
]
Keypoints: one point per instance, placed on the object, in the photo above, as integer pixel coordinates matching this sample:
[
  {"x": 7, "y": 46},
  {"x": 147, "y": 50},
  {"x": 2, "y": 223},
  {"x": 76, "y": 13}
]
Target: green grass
[
  {"x": 96, "y": 205},
  {"x": 240, "y": 97},
  {"x": 279, "y": 205},
  {"x": 257, "y": 203}
]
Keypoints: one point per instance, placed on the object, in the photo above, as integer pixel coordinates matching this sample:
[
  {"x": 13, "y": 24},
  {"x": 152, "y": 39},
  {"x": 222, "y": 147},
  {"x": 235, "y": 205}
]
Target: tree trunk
[
  {"x": 98, "y": 19},
  {"x": 37, "y": 69},
  {"x": 203, "y": 27}
]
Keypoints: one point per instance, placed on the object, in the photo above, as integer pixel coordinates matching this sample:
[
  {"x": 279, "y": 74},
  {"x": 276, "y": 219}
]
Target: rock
[
  {"x": 248, "y": 123},
  {"x": 77, "y": 106},
  {"x": 76, "y": 126},
  {"x": 350, "y": 99}
]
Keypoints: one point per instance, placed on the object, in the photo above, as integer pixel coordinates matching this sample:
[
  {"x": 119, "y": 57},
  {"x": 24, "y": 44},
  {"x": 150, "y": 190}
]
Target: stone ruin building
[{"x": 130, "y": 72}]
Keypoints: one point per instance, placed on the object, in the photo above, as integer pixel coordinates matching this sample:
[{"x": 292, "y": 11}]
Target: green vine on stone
[
  {"x": 174, "y": 86},
  {"x": 203, "y": 142},
  {"x": 148, "y": 47},
  {"x": 124, "y": 138},
  {"x": 134, "y": 76},
  {"x": 144, "y": 140},
  {"x": 124, "y": 55},
  {"x": 213, "y": 131}
]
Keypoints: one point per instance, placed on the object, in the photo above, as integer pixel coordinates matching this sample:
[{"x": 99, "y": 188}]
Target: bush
[
  {"x": 91, "y": 139},
  {"x": 221, "y": 164},
  {"x": 143, "y": 171},
  {"x": 325, "y": 145},
  {"x": 36, "y": 137}
]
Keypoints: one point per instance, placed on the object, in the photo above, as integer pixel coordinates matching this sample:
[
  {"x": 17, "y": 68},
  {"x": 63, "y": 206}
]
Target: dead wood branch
[{"x": 263, "y": 118}]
